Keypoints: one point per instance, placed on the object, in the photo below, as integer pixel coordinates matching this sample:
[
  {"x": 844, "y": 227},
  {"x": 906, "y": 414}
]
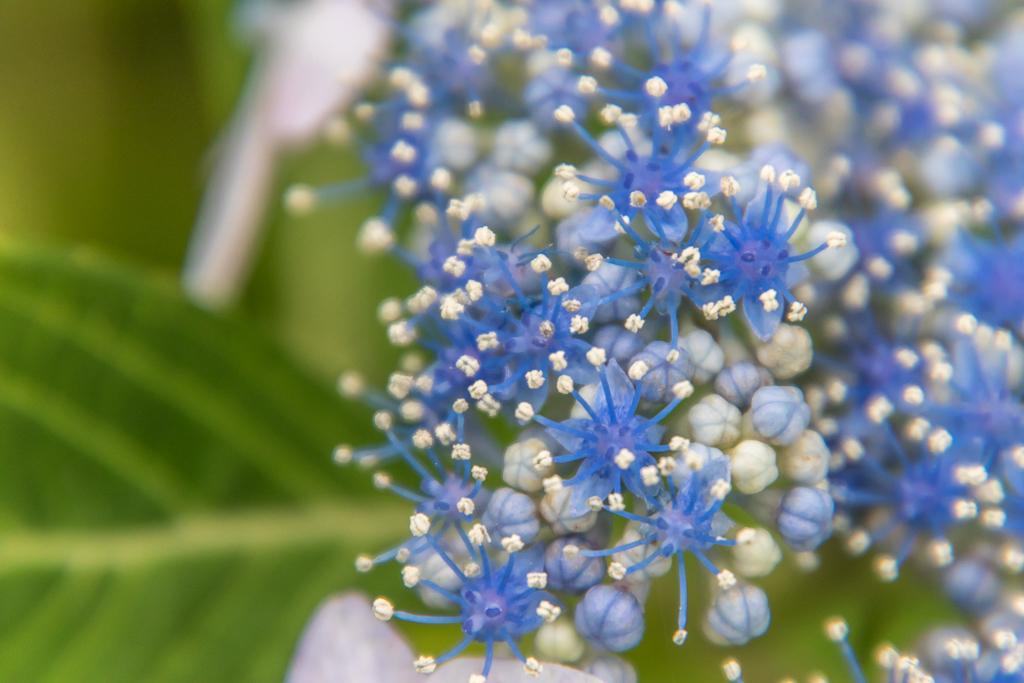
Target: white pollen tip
[{"x": 565, "y": 114}]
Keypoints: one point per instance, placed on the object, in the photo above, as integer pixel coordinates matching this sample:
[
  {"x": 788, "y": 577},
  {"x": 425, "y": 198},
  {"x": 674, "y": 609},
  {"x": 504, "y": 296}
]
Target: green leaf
[{"x": 168, "y": 507}]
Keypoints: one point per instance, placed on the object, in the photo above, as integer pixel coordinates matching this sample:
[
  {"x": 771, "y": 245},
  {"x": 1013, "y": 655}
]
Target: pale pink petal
[
  {"x": 506, "y": 671},
  {"x": 345, "y": 643}
]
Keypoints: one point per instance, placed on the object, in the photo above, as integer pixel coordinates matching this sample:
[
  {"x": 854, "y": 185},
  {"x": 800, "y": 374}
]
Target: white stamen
[
  {"x": 565, "y": 114},
  {"x": 512, "y": 544},
  {"x": 383, "y": 609},
  {"x": 579, "y": 325},
  {"x": 650, "y": 475},
  {"x": 835, "y": 240},
  {"x": 637, "y": 370},
  {"x": 425, "y": 664},
  {"x": 419, "y": 524},
  {"x": 468, "y": 365}
]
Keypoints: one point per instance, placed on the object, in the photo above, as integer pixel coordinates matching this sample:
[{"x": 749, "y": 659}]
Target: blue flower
[
  {"x": 987, "y": 277},
  {"x": 540, "y": 344},
  {"x": 680, "y": 87},
  {"x": 756, "y": 264},
  {"x": 688, "y": 519},
  {"x": 613, "y": 443},
  {"x": 499, "y": 604},
  {"x": 928, "y": 494},
  {"x": 448, "y": 499},
  {"x": 552, "y": 88}
]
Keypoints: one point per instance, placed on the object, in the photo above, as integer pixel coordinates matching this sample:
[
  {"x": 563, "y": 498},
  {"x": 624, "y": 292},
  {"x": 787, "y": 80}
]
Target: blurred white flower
[{"x": 314, "y": 57}]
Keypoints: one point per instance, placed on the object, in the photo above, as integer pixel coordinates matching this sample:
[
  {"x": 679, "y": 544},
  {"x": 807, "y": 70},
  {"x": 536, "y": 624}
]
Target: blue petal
[{"x": 762, "y": 323}]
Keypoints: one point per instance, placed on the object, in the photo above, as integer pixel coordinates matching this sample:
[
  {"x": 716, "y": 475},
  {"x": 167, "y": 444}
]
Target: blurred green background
[{"x": 168, "y": 510}]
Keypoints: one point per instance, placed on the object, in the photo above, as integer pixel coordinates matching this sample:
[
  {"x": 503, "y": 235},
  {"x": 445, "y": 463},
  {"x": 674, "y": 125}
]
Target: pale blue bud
[
  {"x": 779, "y": 414},
  {"x": 805, "y": 518}
]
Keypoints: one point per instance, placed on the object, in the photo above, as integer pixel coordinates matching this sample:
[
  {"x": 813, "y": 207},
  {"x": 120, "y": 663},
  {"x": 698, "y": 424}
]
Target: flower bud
[
  {"x": 753, "y": 466},
  {"x": 738, "y": 615},
  {"x": 555, "y": 507},
  {"x": 572, "y": 574},
  {"x": 705, "y": 354},
  {"x": 805, "y": 461},
  {"x": 714, "y": 421},
  {"x": 756, "y": 552},
  {"x": 611, "y": 669},
  {"x": 559, "y": 642},
  {"x": 788, "y": 353},
  {"x": 738, "y": 382},
  {"x": 510, "y": 513},
  {"x": 610, "y": 618},
  {"x": 779, "y": 414},
  {"x": 805, "y": 518},
  {"x": 667, "y": 367},
  {"x": 520, "y": 471}
]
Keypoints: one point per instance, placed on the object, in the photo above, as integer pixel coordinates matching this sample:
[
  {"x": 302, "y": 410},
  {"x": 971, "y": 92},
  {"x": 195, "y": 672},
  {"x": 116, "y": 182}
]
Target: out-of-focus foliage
[{"x": 168, "y": 509}]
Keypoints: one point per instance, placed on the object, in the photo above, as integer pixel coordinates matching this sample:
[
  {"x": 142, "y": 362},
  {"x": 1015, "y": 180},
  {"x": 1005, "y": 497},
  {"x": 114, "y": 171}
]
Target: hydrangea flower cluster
[{"x": 587, "y": 191}]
